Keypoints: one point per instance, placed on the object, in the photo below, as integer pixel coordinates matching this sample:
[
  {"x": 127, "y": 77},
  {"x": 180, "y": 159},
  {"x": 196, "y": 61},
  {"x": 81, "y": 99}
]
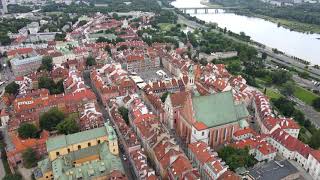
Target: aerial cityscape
[{"x": 160, "y": 89}]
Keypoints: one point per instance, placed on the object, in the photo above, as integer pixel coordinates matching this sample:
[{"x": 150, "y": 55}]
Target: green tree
[
  {"x": 90, "y": 61},
  {"x": 81, "y": 23},
  {"x": 46, "y": 63},
  {"x": 12, "y": 88},
  {"x": 108, "y": 49},
  {"x": 124, "y": 112},
  {"x": 288, "y": 88},
  {"x": 234, "y": 67},
  {"x": 68, "y": 126},
  {"x": 12, "y": 177},
  {"x": 315, "y": 140},
  {"x": 316, "y": 103},
  {"x": 164, "y": 96},
  {"x": 285, "y": 106},
  {"x": 60, "y": 37},
  {"x": 264, "y": 55},
  {"x": 280, "y": 77},
  {"x": 304, "y": 74},
  {"x": 236, "y": 158},
  {"x": 48, "y": 83},
  {"x": 27, "y": 130},
  {"x": 49, "y": 120},
  {"x": 115, "y": 16},
  {"x": 29, "y": 158}
]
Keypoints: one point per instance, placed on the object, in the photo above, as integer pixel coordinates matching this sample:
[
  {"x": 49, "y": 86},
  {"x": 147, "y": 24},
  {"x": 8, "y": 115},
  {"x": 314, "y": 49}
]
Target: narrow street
[{"x": 125, "y": 163}]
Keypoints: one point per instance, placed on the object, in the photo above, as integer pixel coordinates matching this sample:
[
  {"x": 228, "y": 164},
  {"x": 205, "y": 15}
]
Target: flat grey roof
[{"x": 273, "y": 171}]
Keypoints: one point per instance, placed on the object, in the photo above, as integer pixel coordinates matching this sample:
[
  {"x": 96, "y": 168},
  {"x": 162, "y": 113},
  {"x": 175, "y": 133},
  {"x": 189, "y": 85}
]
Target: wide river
[{"x": 302, "y": 45}]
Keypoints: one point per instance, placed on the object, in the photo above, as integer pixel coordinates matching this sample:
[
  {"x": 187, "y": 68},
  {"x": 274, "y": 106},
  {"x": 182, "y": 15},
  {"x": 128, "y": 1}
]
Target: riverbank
[
  {"x": 283, "y": 59},
  {"x": 288, "y": 24}
]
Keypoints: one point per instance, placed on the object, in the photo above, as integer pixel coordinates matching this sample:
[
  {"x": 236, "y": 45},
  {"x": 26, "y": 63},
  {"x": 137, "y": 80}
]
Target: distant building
[
  {"x": 25, "y": 66},
  {"x": 223, "y": 55},
  {"x": 91, "y": 154}
]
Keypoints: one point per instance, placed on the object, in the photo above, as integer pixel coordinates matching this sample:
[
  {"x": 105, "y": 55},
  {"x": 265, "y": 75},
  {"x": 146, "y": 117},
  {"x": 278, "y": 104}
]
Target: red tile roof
[
  {"x": 20, "y": 51},
  {"x": 291, "y": 143},
  {"x": 177, "y": 99},
  {"x": 316, "y": 154},
  {"x": 21, "y": 145},
  {"x": 242, "y": 132}
]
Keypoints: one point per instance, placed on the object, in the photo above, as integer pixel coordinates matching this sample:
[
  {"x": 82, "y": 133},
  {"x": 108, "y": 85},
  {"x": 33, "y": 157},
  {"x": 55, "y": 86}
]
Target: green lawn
[
  {"x": 166, "y": 26},
  {"x": 271, "y": 93},
  {"x": 304, "y": 95}
]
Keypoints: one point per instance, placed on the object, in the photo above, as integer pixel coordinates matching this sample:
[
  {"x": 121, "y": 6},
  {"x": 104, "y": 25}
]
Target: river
[{"x": 302, "y": 45}]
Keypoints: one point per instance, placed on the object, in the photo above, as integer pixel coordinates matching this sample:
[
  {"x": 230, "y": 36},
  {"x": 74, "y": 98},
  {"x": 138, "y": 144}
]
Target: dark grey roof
[{"x": 273, "y": 170}]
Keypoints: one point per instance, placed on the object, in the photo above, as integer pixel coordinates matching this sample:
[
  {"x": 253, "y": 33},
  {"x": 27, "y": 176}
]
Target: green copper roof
[
  {"x": 218, "y": 109},
  {"x": 65, "y": 140},
  {"x": 63, "y": 168}
]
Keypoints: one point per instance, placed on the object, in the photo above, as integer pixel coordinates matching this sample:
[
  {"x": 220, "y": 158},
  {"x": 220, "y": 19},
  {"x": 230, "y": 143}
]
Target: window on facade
[
  {"x": 79, "y": 146},
  {"x": 216, "y": 136},
  {"x": 225, "y": 133},
  {"x": 202, "y": 133},
  {"x": 195, "y": 132},
  {"x": 57, "y": 153},
  {"x": 89, "y": 144},
  {"x": 68, "y": 150},
  {"x": 98, "y": 141}
]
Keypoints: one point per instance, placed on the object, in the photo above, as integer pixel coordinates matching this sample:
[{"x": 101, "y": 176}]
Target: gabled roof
[{"x": 177, "y": 99}]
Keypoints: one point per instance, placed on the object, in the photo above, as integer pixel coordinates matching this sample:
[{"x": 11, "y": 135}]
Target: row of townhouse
[
  {"x": 132, "y": 146},
  {"x": 111, "y": 81},
  {"x": 258, "y": 145},
  {"x": 282, "y": 134},
  {"x": 165, "y": 154}
]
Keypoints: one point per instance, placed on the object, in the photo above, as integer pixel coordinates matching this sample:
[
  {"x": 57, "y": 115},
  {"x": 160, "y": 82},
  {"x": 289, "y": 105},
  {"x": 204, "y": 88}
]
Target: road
[
  {"x": 279, "y": 58},
  {"x": 125, "y": 163}
]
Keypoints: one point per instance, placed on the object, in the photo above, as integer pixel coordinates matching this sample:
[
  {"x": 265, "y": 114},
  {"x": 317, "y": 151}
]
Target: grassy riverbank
[
  {"x": 292, "y": 25},
  {"x": 286, "y": 23}
]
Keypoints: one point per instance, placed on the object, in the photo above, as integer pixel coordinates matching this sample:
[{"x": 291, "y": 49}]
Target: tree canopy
[
  {"x": 29, "y": 158},
  {"x": 164, "y": 96},
  {"x": 46, "y": 63},
  {"x": 316, "y": 103},
  {"x": 280, "y": 77},
  {"x": 68, "y": 126},
  {"x": 236, "y": 158},
  {"x": 48, "y": 83},
  {"x": 27, "y": 130},
  {"x": 315, "y": 140},
  {"x": 90, "y": 61},
  {"x": 12, "y": 88},
  {"x": 124, "y": 112},
  {"x": 49, "y": 120},
  {"x": 60, "y": 37},
  {"x": 288, "y": 88},
  {"x": 12, "y": 177}
]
